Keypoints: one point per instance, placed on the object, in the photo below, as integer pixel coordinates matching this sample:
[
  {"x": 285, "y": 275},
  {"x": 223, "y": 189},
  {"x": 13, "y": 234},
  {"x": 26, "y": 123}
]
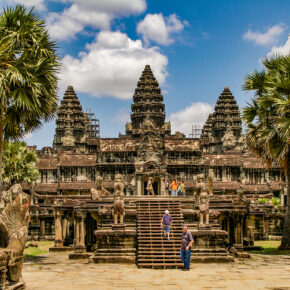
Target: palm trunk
[
  {"x": 285, "y": 244},
  {"x": 1, "y": 151}
]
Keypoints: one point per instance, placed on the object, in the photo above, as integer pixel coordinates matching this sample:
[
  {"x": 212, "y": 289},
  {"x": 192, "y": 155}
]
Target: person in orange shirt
[{"x": 174, "y": 188}]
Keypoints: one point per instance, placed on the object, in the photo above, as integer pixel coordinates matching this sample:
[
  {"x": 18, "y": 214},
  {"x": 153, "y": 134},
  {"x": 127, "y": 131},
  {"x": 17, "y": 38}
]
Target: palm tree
[
  {"x": 28, "y": 74},
  {"x": 19, "y": 163},
  {"x": 267, "y": 120}
]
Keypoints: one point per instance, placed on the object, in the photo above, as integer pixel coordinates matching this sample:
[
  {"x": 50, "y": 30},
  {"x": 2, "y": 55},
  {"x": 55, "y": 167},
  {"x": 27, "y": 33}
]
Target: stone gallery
[{"x": 102, "y": 199}]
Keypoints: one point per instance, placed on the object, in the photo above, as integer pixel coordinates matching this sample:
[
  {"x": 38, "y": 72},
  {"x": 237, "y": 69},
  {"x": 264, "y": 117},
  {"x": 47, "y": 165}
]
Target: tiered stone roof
[
  {"x": 226, "y": 115},
  {"x": 147, "y": 101},
  {"x": 71, "y": 120},
  {"x": 207, "y": 127}
]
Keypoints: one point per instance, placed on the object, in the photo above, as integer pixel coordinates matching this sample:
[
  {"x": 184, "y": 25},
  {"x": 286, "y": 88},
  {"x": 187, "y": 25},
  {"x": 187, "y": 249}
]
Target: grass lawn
[
  {"x": 270, "y": 248},
  {"x": 33, "y": 252}
]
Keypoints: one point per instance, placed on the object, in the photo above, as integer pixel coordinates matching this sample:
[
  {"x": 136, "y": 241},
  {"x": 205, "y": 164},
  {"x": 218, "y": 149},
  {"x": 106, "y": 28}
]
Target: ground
[{"x": 56, "y": 271}]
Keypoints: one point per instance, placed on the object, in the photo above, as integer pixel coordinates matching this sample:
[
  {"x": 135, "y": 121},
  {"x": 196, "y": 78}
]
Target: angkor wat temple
[{"x": 63, "y": 206}]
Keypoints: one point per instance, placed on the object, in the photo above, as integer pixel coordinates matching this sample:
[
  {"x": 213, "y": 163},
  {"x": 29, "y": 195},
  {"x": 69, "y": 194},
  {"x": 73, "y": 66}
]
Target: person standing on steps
[
  {"x": 165, "y": 224},
  {"x": 174, "y": 188},
  {"x": 182, "y": 188},
  {"x": 185, "y": 251}
]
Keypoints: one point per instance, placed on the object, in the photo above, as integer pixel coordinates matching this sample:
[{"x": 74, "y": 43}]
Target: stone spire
[
  {"x": 207, "y": 127},
  {"x": 222, "y": 130},
  {"x": 147, "y": 104},
  {"x": 71, "y": 122},
  {"x": 226, "y": 115}
]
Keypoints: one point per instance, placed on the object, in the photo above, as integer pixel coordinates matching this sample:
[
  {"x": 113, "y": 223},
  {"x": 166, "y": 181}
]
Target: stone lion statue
[
  {"x": 100, "y": 192},
  {"x": 119, "y": 207},
  {"x": 14, "y": 221}
]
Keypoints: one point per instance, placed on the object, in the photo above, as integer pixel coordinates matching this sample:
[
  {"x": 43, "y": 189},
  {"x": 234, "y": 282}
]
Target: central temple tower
[{"x": 147, "y": 105}]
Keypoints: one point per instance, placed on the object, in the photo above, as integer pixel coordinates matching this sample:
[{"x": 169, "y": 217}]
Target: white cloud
[
  {"x": 113, "y": 6},
  {"x": 280, "y": 50},
  {"x": 111, "y": 66},
  {"x": 269, "y": 37},
  {"x": 183, "y": 120},
  {"x": 39, "y": 4},
  {"x": 90, "y": 13},
  {"x": 73, "y": 20},
  {"x": 157, "y": 28}
]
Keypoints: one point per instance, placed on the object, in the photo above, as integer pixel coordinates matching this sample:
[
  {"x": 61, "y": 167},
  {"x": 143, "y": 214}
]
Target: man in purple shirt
[
  {"x": 185, "y": 251},
  {"x": 166, "y": 223}
]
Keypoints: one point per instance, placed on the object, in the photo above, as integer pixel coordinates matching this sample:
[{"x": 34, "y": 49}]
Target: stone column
[
  {"x": 266, "y": 227},
  {"x": 77, "y": 234},
  {"x": 42, "y": 230},
  {"x": 58, "y": 242},
  {"x": 80, "y": 232},
  {"x": 139, "y": 186},
  {"x": 64, "y": 228},
  {"x": 238, "y": 232},
  {"x": 162, "y": 186}
]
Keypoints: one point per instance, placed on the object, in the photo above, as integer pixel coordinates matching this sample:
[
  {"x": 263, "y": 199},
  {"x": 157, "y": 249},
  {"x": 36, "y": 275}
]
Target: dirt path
[{"x": 56, "y": 271}]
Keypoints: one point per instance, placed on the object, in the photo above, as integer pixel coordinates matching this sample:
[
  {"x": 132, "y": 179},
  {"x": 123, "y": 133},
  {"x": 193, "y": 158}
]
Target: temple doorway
[
  {"x": 91, "y": 226},
  {"x": 156, "y": 186}
]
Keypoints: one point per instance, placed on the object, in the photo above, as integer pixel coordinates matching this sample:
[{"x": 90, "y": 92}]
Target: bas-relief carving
[
  {"x": 119, "y": 207},
  {"x": 229, "y": 139},
  {"x": 68, "y": 139}
]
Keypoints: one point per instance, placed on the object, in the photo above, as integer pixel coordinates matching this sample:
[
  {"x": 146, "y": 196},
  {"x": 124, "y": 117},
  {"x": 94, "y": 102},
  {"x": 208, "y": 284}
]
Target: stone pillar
[
  {"x": 80, "y": 232},
  {"x": 266, "y": 227},
  {"x": 139, "y": 186},
  {"x": 42, "y": 230},
  {"x": 162, "y": 186},
  {"x": 238, "y": 232},
  {"x": 64, "y": 228},
  {"x": 224, "y": 176},
  {"x": 58, "y": 242},
  {"x": 77, "y": 234}
]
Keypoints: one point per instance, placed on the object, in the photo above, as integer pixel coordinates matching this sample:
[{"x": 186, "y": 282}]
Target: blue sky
[{"x": 195, "y": 49}]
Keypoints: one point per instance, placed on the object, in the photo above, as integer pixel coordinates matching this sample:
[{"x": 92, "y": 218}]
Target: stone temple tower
[
  {"x": 222, "y": 130},
  {"x": 147, "y": 105},
  {"x": 73, "y": 126}
]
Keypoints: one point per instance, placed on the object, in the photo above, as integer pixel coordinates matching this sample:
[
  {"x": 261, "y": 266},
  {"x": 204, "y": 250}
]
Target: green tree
[
  {"x": 19, "y": 163},
  {"x": 267, "y": 120},
  {"x": 28, "y": 74}
]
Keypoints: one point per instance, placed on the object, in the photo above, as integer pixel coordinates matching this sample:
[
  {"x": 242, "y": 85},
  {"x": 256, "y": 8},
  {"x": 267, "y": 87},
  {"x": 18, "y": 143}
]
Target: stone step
[
  {"x": 158, "y": 227},
  {"x": 159, "y": 259},
  {"x": 113, "y": 254},
  {"x": 157, "y": 214},
  {"x": 156, "y": 238},
  {"x": 155, "y": 251},
  {"x": 208, "y": 254},
  {"x": 158, "y": 234},
  {"x": 160, "y": 265}
]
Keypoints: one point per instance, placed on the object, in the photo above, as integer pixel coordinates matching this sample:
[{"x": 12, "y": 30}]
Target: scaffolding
[
  {"x": 196, "y": 131},
  {"x": 93, "y": 125}
]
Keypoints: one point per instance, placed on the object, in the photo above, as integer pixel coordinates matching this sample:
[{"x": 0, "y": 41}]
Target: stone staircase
[{"x": 153, "y": 250}]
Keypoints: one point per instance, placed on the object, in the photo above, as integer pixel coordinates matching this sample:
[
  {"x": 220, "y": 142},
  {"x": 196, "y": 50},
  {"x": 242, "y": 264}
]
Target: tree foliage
[
  {"x": 28, "y": 74},
  {"x": 19, "y": 163},
  {"x": 267, "y": 120}
]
